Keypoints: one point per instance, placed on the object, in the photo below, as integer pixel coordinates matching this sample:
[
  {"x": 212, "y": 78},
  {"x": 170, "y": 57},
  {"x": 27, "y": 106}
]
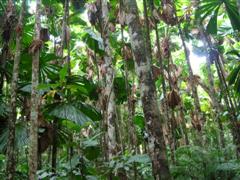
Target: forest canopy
[{"x": 119, "y": 89}]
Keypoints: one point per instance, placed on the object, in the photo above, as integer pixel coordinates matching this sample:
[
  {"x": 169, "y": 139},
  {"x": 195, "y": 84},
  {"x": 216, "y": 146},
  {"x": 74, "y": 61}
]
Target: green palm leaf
[{"x": 68, "y": 111}]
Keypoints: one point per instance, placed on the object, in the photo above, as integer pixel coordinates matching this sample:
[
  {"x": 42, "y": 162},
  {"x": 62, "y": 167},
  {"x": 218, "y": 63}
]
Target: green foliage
[
  {"x": 73, "y": 98},
  {"x": 120, "y": 90},
  {"x": 234, "y": 78},
  {"x": 197, "y": 163},
  {"x": 21, "y": 136},
  {"x": 93, "y": 41},
  {"x": 67, "y": 111},
  {"x": 212, "y": 7},
  {"x": 139, "y": 121}
]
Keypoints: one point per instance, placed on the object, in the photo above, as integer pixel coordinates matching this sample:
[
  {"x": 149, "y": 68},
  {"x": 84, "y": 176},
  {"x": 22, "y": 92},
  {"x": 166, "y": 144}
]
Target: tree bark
[
  {"x": 33, "y": 147},
  {"x": 64, "y": 41},
  {"x": 11, "y": 159},
  {"x": 64, "y": 27},
  {"x": 147, "y": 36},
  {"x": 216, "y": 104},
  {"x": 66, "y": 35},
  {"x": 198, "y": 111},
  {"x": 109, "y": 91},
  {"x": 153, "y": 118},
  {"x": 227, "y": 96},
  {"x": 130, "y": 97},
  {"x": 8, "y": 25},
  {"x": 54, "y": 146},
  {"x": 224, "y": 87}
]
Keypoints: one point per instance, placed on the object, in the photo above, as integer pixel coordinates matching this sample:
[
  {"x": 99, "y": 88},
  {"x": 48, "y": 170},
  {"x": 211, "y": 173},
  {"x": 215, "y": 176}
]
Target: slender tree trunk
[
  {"x": 198, "y": 111},
  {"x": 121, "y": 128},
  {"x": 33, "y": 147},
  {"x": 132, "y": 138},
  {"x": 54, "y": 146},
  {"x": 175, "y": 86},
  {"x": 39, "y": 160},
  {"x": 109, "y": 90},
  {"x": 227, "y": 96},
  {"x": 64, "y": 29},
  {"x": 11, "y": 159},
  {"x": 224, "y": 87},
  {"x": 130, "y": 98},
  {"x": 216, "y": 104},
  {"x": 8, "y": 24},
  {"x": 148, "y": 38},
  {"x": 64, "y": 42},
  {"x": 185, "y": 131},
  {"x": 171, "y": 120},
  {"x": 67, "y": 35},
  {"x": 153, "y": 118},
  {"x": 166, "y": 109},
  {"x": 211, "y": 89}
]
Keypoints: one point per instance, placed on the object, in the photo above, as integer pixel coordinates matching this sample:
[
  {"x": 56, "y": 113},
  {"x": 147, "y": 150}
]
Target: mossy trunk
[
  {"x": 153, "y": 118},
  {"x": 110, "y": 114},
  {"x": 11, "y": 159},
  {"x": 33, "y": 144}
]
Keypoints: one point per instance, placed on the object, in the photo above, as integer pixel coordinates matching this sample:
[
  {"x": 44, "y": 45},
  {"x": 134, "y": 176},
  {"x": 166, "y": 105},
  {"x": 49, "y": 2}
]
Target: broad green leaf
[
  {"x": 90, "y": 143},
  {"x": 68, "y": 111},
  {"x": 93, "y": 40},
  {"x": 90, "y": 111},
  {"x": 233, "y": 75},
  {"x": 212, "y": 24},
  {"x": 120, "y": 89},
  {"x": 234, "y": 52},
  {"x": 76, "y": 19},
  {"x": 71, "y": 125},
  {"x": 139, "y": 121},
  {"x": 139, "y": 158},
  {"x": 21, "y": 136},
  {"x": 233, "y": 14},
  {"x": 237, "y": 84},
  {"x": 63, "y": 73},
  {"x": 229, "y": 166}
]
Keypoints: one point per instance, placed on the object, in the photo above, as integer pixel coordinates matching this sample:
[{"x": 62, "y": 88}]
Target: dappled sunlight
[{"x": 123, "y": 89}]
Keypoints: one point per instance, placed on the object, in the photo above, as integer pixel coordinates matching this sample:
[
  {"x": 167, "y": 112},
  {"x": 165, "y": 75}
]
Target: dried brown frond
[
  {"x": 36, "y": 45},
  {"x": 196, "y": 121},
  {"x": 19, "y": 29},
  {"x": 111, "y": 27},
  {"x": 44, "y": 34},
  {"x": 165, "y": 47},
  {"x": 156, "y": 71},
  {"x": 93, "y": 13},
  {"x": 127, "y": 53},
  {"x": 173, "y": 99}
]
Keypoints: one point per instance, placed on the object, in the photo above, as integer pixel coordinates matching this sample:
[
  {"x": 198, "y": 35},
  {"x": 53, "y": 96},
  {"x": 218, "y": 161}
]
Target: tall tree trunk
[
  {"x": 66, "y": 35},
  {"x": 64, "y": 42},
  {"x": 64, "y": 30},
  {"x": 153, "y": 118},
  {"x": 33, "y": 147},
  {"x": 11, "y": 159},
  {"x": 198, "y": 112},
  {"x": 217, "y": 58},
  {"x": 8, "y": 24},
  {"x": 130, "y": 95},
  {"x": 109, "y": 94},
  {"x": 213, "y": 96},
  {"x": 54, "y": 146},
  {"x": 132, "y": 138},
  {"x": 148, "y": 38},
  {"x": 224, "y": 88}
]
